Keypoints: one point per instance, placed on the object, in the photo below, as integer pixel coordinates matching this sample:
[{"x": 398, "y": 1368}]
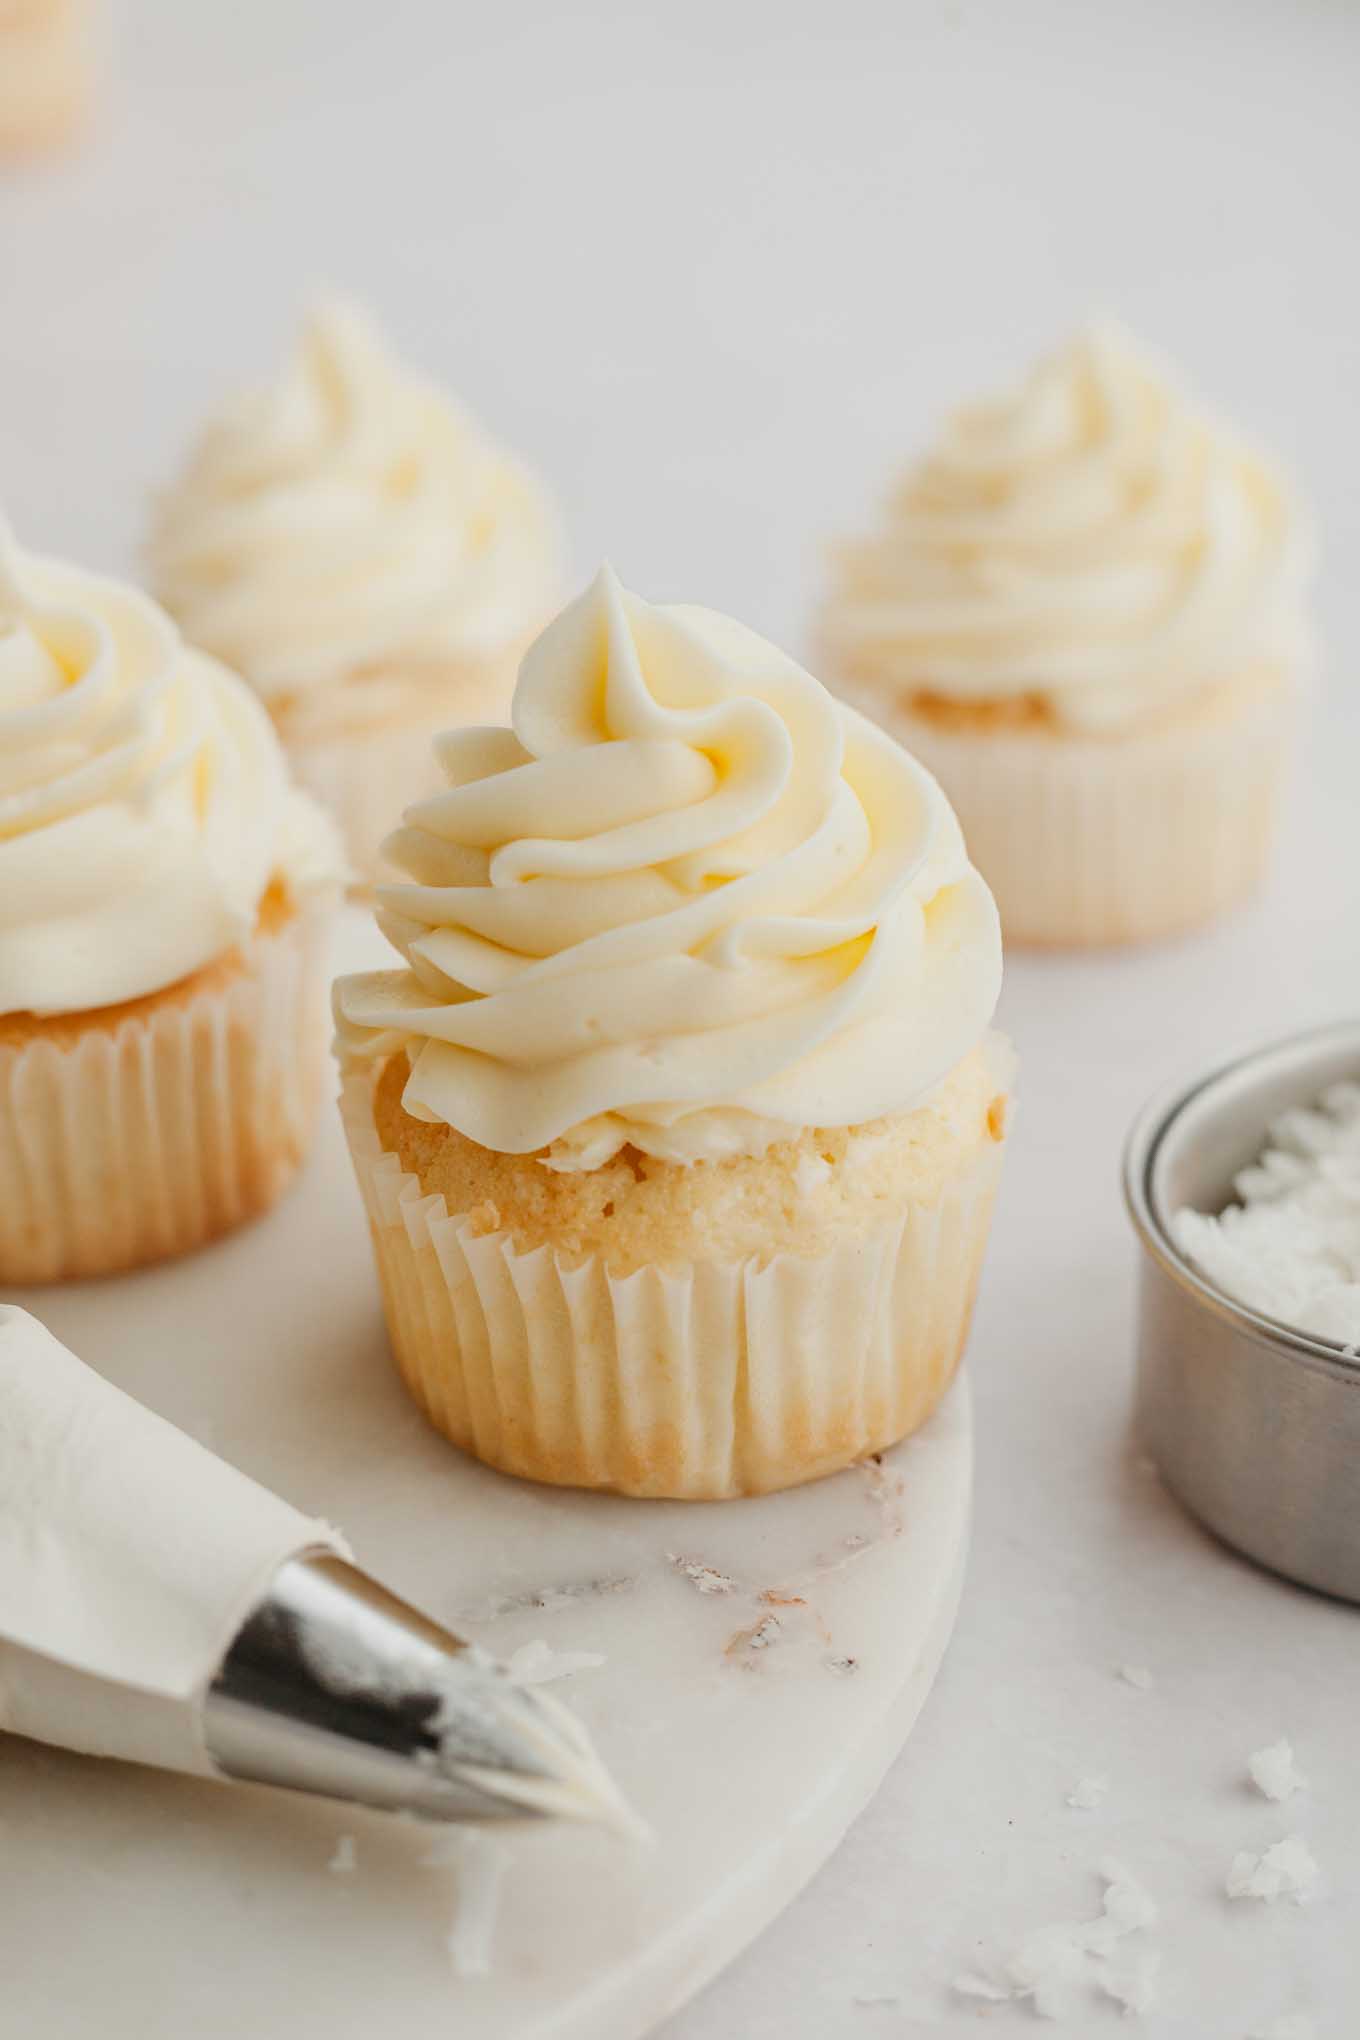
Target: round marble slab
[{"x": 760, "y": 1664}]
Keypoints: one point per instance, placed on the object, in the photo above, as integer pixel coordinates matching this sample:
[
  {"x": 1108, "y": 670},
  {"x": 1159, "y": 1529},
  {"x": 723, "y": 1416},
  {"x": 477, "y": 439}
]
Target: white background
[{"x": 715, "y": 269}]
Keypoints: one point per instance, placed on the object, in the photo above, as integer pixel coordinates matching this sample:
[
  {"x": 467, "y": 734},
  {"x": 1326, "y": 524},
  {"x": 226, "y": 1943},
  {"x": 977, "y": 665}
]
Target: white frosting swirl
[
  {"x": 144, "y": 803},
  {"x": 349, "y": 537},
  {"x": 690, "y": 902},
  {"x": 1091, "y": 543}
]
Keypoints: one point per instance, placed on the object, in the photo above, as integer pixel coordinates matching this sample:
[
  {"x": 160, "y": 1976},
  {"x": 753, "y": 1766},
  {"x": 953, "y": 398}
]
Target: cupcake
[
  {"x": 1085, "y": 613},
  {"x": 163, "y": 909},
  {"x": 679, "y": 1131},
  {"x": 46, "y": 71},
  {"x": 354, "y": 546}
]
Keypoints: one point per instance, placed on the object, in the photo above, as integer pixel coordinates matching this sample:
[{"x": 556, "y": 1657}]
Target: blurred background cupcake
[
  {"x": 46, "y": 72},
  {"x": 1084, "y": 611},
  {"x": 164, "y": 896},
  {"x": 680, "y": 1129},
  {"x": 354, "y": 545}
]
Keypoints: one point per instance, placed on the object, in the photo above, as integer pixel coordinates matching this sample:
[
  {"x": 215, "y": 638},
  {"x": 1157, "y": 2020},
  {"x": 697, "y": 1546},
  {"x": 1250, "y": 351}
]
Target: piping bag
[{"x": 159, "y": 1606}]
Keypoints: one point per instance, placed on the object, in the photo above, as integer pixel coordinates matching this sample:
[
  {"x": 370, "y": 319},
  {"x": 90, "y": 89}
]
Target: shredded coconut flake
[
  {"x": 480, "y": 1863},
  {"x": 1132, "y": 1978},
  {"x": 1291, "y": 1247},
  {"x": 1088, "y": 1793},
  {"x": 344, "y": 1860},
  {"x": 1057, "y": 1968},
  {"x": 534, "y": 1664},
  {"x": 1136, "y": 1675},
  {"x": 1285, "y": 1870},
  {"x": 1274, "y": 1771}
]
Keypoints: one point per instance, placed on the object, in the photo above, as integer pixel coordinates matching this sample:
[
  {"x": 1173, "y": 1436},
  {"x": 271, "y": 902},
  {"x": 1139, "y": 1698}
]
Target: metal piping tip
[{"x": 336, "y": 1686}]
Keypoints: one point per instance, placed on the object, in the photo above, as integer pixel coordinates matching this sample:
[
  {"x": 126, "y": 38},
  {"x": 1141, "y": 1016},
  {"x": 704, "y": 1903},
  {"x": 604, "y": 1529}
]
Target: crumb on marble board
[
  {"x": 706, "y": 1578},
  {"x": 759, "y": 1637}
]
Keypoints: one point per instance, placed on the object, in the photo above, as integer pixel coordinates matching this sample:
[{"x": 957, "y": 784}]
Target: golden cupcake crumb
[{"x": 803, "y": 1196}]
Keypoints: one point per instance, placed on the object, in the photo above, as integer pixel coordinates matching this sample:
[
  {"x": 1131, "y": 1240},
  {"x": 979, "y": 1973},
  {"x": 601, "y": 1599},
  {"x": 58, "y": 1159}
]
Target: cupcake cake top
[
  {"x": 351, "y": 527},
  {"x": 1093, "y": 545},
  {"x": 144, "y": 804},
  {"x": 688, "y": 903}
]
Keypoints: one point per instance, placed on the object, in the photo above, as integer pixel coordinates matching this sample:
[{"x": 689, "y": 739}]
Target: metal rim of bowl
[{"x": 1149, "y": 1130}]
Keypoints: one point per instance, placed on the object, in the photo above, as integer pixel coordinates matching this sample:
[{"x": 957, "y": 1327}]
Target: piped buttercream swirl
[
  {"x": 144, "y": 803},
  {"x": 350, "y": 536},
  {"x": 688, "y": 903},
  {"x": 1092, "y": 543}
]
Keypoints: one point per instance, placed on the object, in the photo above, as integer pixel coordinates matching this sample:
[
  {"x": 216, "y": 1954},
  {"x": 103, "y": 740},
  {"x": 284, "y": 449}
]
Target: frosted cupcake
[
  {"x": 163, "y": 910},
  {"x": 1084, "y": 612},
  {"x": 354, "y": 546},
  {"x": 679, "y": 1132},
  {"x": 46, "y": 71}
]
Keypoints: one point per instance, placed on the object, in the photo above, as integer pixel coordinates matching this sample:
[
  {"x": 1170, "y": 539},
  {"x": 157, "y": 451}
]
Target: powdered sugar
[{"x": 1291, "y": 1247}]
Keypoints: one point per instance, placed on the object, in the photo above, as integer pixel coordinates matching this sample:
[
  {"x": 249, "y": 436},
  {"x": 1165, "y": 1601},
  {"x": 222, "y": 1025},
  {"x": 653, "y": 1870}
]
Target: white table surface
[{"x": 715, "y": 273}]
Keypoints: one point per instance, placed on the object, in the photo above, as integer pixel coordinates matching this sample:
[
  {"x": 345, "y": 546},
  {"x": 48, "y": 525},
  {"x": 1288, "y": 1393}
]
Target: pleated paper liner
[
  {"x": 124, "y": 1143},
  {"x": 1089, "y": 841},
  {"x": 712, "y": 1380}
]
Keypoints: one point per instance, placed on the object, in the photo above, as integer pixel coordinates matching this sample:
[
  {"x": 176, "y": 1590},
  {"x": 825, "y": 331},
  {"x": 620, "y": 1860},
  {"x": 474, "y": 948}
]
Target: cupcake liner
[
  {"x": 368, "y": 774},
  {"x": 717, "y": 1379},
  {"x": 149, "y": 1137},
  {"x": 1087, "y": 841}
]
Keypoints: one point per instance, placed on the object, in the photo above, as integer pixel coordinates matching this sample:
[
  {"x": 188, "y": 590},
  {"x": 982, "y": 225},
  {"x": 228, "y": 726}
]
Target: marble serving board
[{"x": 761, "y": 1664}]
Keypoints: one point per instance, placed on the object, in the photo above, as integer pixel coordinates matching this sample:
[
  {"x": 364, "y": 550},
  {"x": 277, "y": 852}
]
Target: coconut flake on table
[
  {"x": 1136, "y": 1675},
  {"x": 479, "y": 1864},
  {"x": 1275, "y": 1772},
  {"x": 344, "y": 1860},
  {"x": 1058, "y": 1968},
  {"x": 534, "y": 1664},
  {"x": 1088, "y": 1793},
  {"x": 1287, "y": 1869},
  {"x": 1290, "y": 1248}
]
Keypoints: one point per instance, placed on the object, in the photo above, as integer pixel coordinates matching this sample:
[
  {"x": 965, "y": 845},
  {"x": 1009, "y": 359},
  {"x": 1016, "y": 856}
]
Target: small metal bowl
[{"x": 1253, "y": 1425}]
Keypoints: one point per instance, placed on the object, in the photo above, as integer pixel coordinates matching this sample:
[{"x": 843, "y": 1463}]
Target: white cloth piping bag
[{"x": 158, "y": 1605}]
